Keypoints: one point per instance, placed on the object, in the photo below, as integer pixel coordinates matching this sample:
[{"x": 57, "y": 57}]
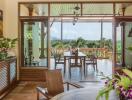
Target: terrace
[{"x": 57, "y": 35}]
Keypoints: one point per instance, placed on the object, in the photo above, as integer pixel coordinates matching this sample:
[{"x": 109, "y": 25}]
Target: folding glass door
[{"x": 123, "y": 41}]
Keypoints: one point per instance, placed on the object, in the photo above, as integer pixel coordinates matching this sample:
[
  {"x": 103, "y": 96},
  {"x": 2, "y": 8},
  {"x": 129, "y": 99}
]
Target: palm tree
[
  {"x": 91, "y": 44},
  {"x": 80, "y": 42},
  {"x": 108, "y": 44}
]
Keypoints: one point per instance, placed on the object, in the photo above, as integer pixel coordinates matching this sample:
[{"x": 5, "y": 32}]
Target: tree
[
  {"x": 108, "y": 44},
  {"x": 80, "y": 42}
]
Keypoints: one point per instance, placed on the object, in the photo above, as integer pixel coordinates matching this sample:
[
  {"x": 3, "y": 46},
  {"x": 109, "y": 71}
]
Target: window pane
[
  {"x": 55, "y": 30},
  {"x": 88, "y": 31},
  {"x": 35, "y": 44},
  {"x": 128, "y": 43},
  {"x": 118, "y": 46},
  {"x": 107, "y": 30}
]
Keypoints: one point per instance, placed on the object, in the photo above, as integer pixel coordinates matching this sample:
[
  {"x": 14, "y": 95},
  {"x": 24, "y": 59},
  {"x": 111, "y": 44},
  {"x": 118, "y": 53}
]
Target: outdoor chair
[
  {"x": 58, "y": 58},
  {"x": 75, "y": 62},
  {"x": 91, "y": 60},
  {"x": 54, "y": 85}
]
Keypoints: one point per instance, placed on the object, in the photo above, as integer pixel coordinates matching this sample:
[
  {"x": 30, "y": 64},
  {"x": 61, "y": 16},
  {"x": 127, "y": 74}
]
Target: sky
[{"x": 88, "y": 31}]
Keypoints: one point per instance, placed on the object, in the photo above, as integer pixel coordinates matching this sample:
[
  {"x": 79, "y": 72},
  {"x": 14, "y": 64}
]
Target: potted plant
[
  {"x": 6, "y": 44},
  {"x": 122, "y": 83}
]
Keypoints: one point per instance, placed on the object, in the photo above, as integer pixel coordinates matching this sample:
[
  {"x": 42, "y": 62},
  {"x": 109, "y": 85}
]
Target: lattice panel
[
  {"x": 3, "y": 77},
  {"x": 38, "y": 9},
  {"x": 64, "y": 9},
  {"x": 12, "y": 71},
  {"x": 119, "y": 10},
  {"x": 97, "y": 9}
]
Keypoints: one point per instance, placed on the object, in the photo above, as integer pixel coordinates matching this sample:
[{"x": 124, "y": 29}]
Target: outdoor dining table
[
  {"x": 83, "y": 94},
  {"x": 68, "y": 54}
]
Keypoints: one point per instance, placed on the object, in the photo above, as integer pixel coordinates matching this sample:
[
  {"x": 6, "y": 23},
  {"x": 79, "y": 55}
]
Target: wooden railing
[
  {"x": 8, "y": 75},
  {"x": 99, "y": 52}
]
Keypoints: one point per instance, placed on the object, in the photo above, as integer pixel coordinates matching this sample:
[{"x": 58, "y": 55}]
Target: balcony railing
[{"x": 101, "y": 53}]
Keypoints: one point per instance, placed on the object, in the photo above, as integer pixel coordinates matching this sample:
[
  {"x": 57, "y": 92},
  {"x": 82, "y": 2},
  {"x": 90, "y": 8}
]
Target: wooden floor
[
  {"x": 24, "y": 91},
  {"x": 27, "y": 90}
]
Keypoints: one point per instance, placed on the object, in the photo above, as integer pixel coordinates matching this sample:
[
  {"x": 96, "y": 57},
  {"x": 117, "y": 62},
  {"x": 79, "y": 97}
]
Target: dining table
[
  {"x": 68, "y": 54},
  {"x": 84, "y": 94}
]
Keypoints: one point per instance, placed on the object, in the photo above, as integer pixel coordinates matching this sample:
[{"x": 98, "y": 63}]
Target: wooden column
[
  {"x": 61, "y": 29},
  {"x": 48, "y": 37},
  {"x": 43, "y": 34},
  {"x": 114, "y": 44},
  {"x": 30, "y": 9},
  {"x": 123, "y": 39},
  {"x": 123, "y": 10},
  {"x": 101, "y": 37},
  {"x": 30, "y": 45},
  {"x": 123, "y": 43}
]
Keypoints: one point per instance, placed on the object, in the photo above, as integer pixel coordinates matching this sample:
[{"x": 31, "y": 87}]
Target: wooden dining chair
[
  {"x": 54, "y": 84},
  {"x": 58, "y": 58},
  {"x": 91, "y": 60},
  {"x": 75, "y": 61}
]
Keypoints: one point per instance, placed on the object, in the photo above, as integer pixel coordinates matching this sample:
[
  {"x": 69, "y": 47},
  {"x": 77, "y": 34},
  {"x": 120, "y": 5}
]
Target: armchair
[{"x": 54, "y": 85}]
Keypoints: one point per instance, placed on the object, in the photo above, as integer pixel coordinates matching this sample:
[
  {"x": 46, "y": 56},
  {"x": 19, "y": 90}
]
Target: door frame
[
  {"x": 117, "y": 21},
  {"x": 21, "y": 24}
]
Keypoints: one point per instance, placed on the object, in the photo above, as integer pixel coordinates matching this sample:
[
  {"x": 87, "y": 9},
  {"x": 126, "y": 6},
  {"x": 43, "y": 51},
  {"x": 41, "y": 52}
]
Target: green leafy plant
[
  {"x": 6, "y": 44},
  {"x": 121, "y": 83},
  {"x": 105, "y": 90},
  {"x": 128, "y": 72},
  {"x": 130, "y": 48},
  {"x": 125, "y": 82}
]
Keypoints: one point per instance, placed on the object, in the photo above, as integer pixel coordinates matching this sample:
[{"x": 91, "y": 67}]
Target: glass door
[
  {"x": 34, "y": 42},
  {"x": 118, "y": 45},
  {"x": 123, "y": 41},
  {"x": 128, "y": 43}
]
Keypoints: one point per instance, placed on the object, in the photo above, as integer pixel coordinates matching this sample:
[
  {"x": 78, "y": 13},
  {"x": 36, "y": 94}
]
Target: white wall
[{"x": 2, "y": 4}]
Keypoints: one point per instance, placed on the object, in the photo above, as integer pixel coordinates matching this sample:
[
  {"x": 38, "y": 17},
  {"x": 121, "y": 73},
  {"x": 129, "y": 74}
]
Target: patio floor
[{"x": 104, "y": 65}]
